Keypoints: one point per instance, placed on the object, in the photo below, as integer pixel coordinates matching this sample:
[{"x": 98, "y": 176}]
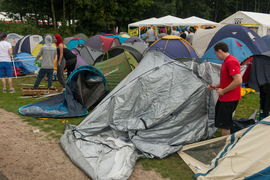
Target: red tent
[{"x": 102, "y": 43}]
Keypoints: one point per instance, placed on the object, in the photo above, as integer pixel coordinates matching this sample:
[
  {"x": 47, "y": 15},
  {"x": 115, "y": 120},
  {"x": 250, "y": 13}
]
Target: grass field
[{"x": 170, "y": 167}]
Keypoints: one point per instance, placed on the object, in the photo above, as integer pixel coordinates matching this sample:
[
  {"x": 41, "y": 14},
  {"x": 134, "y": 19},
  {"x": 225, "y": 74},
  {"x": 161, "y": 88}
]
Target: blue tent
[
  {"x": 266, "y": 39},
  {"x": 174, "y": 47},
  {"x": 236, "y": 48},
  {"x": 121, "y": 39},
  {"x": 27, "y": 43},
  {"x": 85, "y": 87},
  {"x": 25, "y": 62},
  {"x": 252, "y": 40},
  {"x": 74, "y": 42}
]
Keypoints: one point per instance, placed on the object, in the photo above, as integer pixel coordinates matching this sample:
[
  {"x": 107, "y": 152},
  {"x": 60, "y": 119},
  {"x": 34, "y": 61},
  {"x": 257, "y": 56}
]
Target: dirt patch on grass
[{"x": 27, "y": 154}]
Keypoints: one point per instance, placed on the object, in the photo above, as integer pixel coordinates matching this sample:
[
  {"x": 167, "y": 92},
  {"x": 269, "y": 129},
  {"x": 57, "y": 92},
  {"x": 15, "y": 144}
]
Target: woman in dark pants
[{"x": 64, "y": 58}]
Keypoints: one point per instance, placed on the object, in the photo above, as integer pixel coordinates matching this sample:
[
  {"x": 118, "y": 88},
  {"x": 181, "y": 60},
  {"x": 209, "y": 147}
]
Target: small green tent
[{"x": 117, "y": 68}]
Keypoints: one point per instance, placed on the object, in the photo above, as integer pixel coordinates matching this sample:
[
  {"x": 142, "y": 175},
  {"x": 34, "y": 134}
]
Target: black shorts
[{"x": 223, "y": 113}]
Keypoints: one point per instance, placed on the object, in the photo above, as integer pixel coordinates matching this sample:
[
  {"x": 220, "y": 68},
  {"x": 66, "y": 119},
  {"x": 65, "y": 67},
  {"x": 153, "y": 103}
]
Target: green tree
[
  {"x": 102, "y": 16},
  {"x": 131, "y": 11}
]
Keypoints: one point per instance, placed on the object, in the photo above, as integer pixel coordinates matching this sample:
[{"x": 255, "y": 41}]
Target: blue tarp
[{"x": 25, "y": 62}]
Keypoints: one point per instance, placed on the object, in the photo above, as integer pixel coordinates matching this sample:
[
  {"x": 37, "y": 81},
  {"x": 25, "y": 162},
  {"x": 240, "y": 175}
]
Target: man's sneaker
[
  {"x": 12, "y": 91},
  {"x": 4, "y": 91}
]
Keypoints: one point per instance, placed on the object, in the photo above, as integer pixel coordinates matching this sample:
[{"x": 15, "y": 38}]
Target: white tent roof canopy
[
  {"x": 170, "y": 21},
  {"x": 4, "y": 17},
  {"x": 250, "y": 19},
  {"x": 146, "y": 22},
  {"x": 173, "y": 21},
  {"x": 195, "y": 21}
]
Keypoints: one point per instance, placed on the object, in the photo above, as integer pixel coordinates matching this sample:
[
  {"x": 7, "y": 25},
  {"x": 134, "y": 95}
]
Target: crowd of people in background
[{"x": 152, "y": 34}]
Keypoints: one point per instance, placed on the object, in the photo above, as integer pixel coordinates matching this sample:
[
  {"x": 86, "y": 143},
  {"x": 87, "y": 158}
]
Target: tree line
[{"x": 93, "y": 16}]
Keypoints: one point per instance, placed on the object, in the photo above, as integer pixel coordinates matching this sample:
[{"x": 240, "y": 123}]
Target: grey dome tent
[
  {"x": 88, "y": 54},
  {"x": 27, "y": 43},
  {"x": 82, "y": 35},
  {"x": 160, "y": 106},
  {"x": 13, "y": 38},
  {"x": 67, "y": 39},
  {"x": 257, "y": 72},
  {"x": 114, "y": 51},
  {"x": 85, "y": 87},
  {"x": 139, "y": 46}
]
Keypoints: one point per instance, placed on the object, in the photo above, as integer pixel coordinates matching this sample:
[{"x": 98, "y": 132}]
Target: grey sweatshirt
[{"x": 48, "y": 53}]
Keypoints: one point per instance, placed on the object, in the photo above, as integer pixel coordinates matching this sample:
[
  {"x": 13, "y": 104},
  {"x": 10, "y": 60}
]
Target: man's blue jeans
[{"x": 41, "y": 74}]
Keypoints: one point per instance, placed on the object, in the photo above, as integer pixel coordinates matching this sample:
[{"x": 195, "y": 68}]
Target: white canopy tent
[
  {"x": 146, "y": 22},
  {"x": 260, "y": 21},
  {"x": 196, "y": 21},
  {"x": 4, "y": 17},
  {"x": 173, "y": 21},
  {"x": 170, "y": 21}
]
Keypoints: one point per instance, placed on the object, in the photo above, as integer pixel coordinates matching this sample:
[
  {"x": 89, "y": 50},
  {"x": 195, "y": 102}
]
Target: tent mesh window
[{"x": 206, "y": 153}]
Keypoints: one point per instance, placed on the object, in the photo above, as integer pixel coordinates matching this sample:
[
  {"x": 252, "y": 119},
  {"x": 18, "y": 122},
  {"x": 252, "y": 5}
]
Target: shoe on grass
[
  {"x": 12, "y": 91},
  {"x": 4, "y": 91}
]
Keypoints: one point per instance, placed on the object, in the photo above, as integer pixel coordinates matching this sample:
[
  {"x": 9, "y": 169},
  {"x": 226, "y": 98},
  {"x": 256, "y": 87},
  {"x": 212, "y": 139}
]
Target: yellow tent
[{"x": 37, "y": 48}]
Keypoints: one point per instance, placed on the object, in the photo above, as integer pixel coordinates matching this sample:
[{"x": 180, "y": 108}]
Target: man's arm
[
  {"x": 10, "y": 51},
  {"x": 237, "y": 80},
  {"x": 37, "y": 58}
]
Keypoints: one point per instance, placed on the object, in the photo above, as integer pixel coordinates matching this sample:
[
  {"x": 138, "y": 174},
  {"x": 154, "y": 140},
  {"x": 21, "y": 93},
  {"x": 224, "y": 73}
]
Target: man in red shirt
[{"x": 228, "y": 88}]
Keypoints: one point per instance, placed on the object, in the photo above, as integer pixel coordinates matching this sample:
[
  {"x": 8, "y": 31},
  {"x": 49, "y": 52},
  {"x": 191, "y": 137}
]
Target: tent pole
[{"x": 14, "y": 66}]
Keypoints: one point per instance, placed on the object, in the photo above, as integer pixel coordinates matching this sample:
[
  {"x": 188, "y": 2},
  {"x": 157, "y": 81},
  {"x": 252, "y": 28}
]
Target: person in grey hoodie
[{"x": 48, "y": 53}]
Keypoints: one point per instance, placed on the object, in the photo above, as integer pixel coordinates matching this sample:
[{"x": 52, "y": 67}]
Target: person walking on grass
[
  {"x": 228, "y": 88},
  {"x": 5, "y": 63},
  {"x": 48, "y": 53}
]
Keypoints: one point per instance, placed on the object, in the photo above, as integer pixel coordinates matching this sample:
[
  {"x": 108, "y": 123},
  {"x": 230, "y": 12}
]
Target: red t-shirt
[{"x": 230, "y": 67}]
